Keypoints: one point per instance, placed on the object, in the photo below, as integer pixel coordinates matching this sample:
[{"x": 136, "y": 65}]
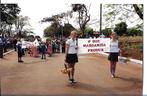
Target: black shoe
[
  {"x": 21, "y": 61},
  {"x": 73, "y": 81}
]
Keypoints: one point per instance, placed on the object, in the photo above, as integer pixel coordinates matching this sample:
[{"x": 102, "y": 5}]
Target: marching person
[
  {"x": 114, "y": 52},
  {"x": 49, "y": 48},
  {"x": 43, "y": 50},
  {"x": 71, "y": 55},
  {"x": 19, "y": 50}
]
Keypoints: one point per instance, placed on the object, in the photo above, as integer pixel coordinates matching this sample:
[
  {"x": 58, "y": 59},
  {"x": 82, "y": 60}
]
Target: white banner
[{"x": 93, "y": 45}]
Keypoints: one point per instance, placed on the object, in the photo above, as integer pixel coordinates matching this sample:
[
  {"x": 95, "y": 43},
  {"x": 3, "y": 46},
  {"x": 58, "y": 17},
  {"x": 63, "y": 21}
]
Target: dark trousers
[
  {"x": 43, "y": 56},
  {"x": 1, "y": 51},
  {"x": 14, "y": 47},
  {"x": 5, "y": 47},
  {"x": 23, "y": 52}
]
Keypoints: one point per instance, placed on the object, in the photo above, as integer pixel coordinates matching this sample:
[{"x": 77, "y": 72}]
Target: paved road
[{"x": 38, "y": 77}]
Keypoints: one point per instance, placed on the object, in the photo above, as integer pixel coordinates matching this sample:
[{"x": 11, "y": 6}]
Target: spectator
[
  {"x": 19, "y": 50},
  {"x": 43, "y": 50},
  {"x": 1, "y": 47}
]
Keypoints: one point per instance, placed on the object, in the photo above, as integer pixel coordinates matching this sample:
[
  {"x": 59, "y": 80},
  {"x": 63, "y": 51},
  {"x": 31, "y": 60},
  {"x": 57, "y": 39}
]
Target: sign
[
  {"x": 36, "y": 43},
  {"x": 93, "y": 45}
]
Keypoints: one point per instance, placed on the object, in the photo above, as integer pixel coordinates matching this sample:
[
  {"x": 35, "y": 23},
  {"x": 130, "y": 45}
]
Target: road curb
[
  {"x": 8, "y": 52},
  {"x": 131, "y": 60}
]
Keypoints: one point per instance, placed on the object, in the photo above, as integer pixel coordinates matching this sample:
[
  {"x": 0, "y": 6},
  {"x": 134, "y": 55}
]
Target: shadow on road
[
  {"x": 134, "y": 80},
  {"x": 135, "y": 83},
  {"x": 34, "y": 62},
  {"x": 92, "y": 88}
]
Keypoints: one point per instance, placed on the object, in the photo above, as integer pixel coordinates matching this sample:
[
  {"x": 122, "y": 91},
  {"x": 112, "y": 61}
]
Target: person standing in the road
[
  {"x": 71, "y": 55},
  {"x": 19, "y": 50},
  {"x": 14, "y": 43},
  {"x": 43, "y": 50},
  {"x": 114, "y": 52},
  {"x": 1, "y": 47},
  {"x": 5, "y": 44},
  {"x": 49, "y": 48}
]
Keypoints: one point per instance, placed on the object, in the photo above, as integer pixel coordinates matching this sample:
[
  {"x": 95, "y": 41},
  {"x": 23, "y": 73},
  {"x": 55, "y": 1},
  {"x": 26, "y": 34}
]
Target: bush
[{"x": 132, "y": 47}]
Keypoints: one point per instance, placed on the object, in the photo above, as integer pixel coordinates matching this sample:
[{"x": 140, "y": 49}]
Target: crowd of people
[
  {"x": 6, "y": 43},
  {"x": 39, "y": 48}
]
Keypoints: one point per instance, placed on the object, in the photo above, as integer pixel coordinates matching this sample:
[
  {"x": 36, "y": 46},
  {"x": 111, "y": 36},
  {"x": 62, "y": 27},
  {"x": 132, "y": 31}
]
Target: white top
[
  {"x": 72, "y": 46},
  {"x": 114, "y": 46}
]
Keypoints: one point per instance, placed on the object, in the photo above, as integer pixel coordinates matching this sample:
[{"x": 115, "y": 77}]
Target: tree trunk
[{"x": 138, "y": 11}]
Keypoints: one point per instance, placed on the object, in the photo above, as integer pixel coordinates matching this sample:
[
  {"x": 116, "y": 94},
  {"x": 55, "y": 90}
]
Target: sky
[{"x": 36, "y": 10}]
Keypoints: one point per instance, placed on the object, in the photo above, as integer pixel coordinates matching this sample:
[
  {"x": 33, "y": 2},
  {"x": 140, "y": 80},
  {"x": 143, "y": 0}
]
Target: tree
[
  {"x": 67, "y": 29},
  {"x": 132, "y": 13},
  {"x": 53, "y": 30},
  {"x": 83, "y": 16},
  {"x": 107, "y": 32},
  {"x": 49, "y": 32},
  {"x": 8, "y": 14},
  {"x": 139, "y": 10},
  {"x": 88, "y": 31},
  {"x": 121, "y": 28},
  {"x": 134, "y": 31},
  {"x": 55, "y": 24},
  {"x": 20, "y": 22}
]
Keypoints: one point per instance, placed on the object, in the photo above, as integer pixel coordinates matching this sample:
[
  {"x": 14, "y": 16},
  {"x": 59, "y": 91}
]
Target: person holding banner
[
  {"x": 114, "y": 52},
  {"x": 71, "y": 55}
]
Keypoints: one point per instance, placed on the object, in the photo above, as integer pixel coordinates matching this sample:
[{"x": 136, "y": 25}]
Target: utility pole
[{"x": 100, "y": 18}]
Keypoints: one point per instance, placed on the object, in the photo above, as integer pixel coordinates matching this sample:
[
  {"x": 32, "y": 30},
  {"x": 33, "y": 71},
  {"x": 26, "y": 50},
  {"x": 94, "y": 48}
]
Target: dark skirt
[
  {"x": 71, "y": 58},
  {"x": 113, "y": 57}
]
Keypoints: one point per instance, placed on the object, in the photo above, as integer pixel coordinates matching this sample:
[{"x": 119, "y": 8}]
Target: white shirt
[
  {"x": 114, "y": 46},
  {"x": 72, "y": 46}
]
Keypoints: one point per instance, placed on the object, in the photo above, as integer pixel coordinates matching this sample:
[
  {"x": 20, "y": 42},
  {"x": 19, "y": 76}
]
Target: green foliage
[
  {"x": 49, "y": 31},
  {"x": 9, "y": 12},
  {"x": 134, "y": 32},
  {"x": 49, "y": 39},
  {"x": 8, "y": 15},
  {"x": 121, "y": 28},
  {"x": 107, "y": 31},
  {"x": 55, "y": 30},
  {"x": 67, "y": 29},
  {"x": 89, "y": 31}
]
